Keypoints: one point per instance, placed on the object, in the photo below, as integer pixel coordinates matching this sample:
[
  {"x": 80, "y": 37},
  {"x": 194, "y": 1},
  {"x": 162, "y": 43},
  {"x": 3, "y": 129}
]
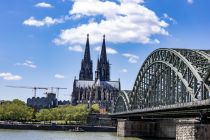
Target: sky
[{"x": 42, "y": 41}]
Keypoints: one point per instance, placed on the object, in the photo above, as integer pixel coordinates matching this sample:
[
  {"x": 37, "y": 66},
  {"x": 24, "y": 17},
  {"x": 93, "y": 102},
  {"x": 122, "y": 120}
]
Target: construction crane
[
  {"x": 29, "y": 87},
  {"x": 57, "y": 90}
]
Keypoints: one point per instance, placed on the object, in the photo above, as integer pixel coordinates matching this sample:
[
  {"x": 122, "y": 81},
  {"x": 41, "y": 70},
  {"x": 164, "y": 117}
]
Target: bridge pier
[
  {"x": 130, "y": 128},
  {"x": 180, "y": 129},
  {"x": 146, "y": 128},
  {"x": 191, "y": 129}
]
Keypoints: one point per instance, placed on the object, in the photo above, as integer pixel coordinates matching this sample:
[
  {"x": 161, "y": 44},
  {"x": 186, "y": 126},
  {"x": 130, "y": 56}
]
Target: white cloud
[
  {"x": 190, "y": 1},
  {"x": 76, "y": 48},
  {"x": 108, "y": 50},
  {"x": 132, "y": 1},
  {"x": 123, "y": 70},
  {"x": 9, "y": 76},
  {"x": 166, "y": 16},
  {"x": 44, "y": 5},
  {"x": 46, "y": 21},
  {"x": 124, "y": 22},
  {"x": 59, "y": 76},
  {"x": 131, "y": 57},
  {"x": 27, "y": 63},
  {"x": 86, "y": 7},
  {"x": 98, "y": 49}
]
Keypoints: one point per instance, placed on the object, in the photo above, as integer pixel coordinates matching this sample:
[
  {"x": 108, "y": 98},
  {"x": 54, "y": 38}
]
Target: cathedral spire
[
  {"x": 104, "y": 69},
  {"x": 87, "y": 49},
  {"x": 103, "y": 57},
  {"x": 86, "y": 72}
]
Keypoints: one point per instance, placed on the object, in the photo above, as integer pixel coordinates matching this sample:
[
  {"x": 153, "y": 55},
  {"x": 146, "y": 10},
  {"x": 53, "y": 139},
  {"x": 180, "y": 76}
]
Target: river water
[{"x": 57, "y": 135}]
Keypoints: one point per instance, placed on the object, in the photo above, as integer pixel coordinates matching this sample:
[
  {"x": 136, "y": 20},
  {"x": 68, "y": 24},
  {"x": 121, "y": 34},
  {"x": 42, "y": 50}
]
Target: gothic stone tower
[
  {"x": 86, "y": 72},
  {"x": 101, "y": 90},
  {"x": 103, "y": 67}
]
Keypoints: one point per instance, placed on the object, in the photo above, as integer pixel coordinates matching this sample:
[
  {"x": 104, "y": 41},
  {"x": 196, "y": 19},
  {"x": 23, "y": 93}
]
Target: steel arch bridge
[{"x": 168, "y": 78}]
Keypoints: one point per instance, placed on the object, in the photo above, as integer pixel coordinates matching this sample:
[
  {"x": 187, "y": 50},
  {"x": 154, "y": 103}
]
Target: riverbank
[{"x": 55, "y": 127}]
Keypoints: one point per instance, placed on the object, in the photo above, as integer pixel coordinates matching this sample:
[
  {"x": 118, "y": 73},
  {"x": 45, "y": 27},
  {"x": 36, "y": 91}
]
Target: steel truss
[{"x": 168, "y": 77}]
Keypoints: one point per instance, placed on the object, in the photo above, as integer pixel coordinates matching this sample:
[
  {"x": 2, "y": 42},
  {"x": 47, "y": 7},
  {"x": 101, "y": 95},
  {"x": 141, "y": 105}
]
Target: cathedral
[{"x": 100, "y": 90}]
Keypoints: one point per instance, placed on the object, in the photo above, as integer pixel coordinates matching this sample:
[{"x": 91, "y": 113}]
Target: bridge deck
[{"x": 191, "y": 109}]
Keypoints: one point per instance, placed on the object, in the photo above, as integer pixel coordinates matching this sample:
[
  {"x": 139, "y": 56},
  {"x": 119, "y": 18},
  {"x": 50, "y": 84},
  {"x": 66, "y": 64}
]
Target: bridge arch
[
  {"x": 122, "y": 102},
  {"x": 171, "y": 76}
]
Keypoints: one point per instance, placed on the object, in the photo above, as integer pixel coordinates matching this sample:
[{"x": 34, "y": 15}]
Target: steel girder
[
  {"x": 122, "y": 102},
  {"x": 199, "y": 59},
  {"x": 171, "y": 76}
]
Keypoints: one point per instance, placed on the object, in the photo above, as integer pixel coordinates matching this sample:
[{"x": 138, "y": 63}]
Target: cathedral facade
[{"x": 99, "y": 90}]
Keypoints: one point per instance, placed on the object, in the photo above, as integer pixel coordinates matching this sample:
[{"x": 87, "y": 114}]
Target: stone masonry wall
[
  {"x": 121, "y": 127},
  {"x": 126, "y": 128},
  {"x": 192, "y": 130},
  {"x": 188, "y": 129}
]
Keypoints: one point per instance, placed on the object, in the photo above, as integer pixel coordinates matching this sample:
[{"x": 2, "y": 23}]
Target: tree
[
  {"x": 44, "y": 115},
  {"x": 15, "y": 111},
  {"x": 95, "y": 108},
  {"x": 70, "y": 112},
  {"x": 18, "y": 102}
]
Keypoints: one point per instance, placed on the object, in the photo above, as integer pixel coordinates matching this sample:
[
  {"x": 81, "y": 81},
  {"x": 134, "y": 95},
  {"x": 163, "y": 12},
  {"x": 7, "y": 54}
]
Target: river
[{"x": 57, "y": 135}]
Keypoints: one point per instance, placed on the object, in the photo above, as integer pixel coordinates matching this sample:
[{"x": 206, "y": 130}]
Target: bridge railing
[{"x": 169, "y": 107}]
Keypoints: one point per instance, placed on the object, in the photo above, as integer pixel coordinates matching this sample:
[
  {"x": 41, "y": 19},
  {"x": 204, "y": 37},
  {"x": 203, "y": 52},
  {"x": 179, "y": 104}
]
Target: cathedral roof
[
  {"x": 104, "y": 84},
  {"x": 115, "y": 84},
  {"x": 84, "y": 83},
  {"x": 98, "y": 83}
]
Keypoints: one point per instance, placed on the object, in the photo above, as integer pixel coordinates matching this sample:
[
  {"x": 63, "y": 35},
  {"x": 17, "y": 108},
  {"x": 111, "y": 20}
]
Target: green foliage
[
  {"x": 19, "y": 111},
  {"x": 18, "y": 102},
  {"x": 69, "y": 114},
  {"x": 77, "y": 113},
  {"x": 15, "y": 111},
  {"x": 44, "y": 115},
  {"x": 95, "y": 108}
]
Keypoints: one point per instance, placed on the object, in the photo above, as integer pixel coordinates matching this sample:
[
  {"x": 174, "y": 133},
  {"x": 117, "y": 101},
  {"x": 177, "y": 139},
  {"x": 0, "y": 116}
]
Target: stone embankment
[{"x": 55, "y": 127}]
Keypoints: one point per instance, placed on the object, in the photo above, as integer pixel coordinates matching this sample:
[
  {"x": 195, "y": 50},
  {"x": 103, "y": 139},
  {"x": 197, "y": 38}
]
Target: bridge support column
[
  {"x": 129, "y": 128},
  {"x": 192, "y": 130},
  {"x": 165, "y": 128},
  {"x": 146, "y": 128}
]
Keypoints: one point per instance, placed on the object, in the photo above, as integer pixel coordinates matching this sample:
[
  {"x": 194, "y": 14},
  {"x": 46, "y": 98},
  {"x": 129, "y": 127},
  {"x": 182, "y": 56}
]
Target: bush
[{"x": 95, "y": 108}]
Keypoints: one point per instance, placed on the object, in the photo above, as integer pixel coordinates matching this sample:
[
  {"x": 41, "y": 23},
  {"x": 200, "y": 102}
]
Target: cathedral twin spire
[
  {"x": 102, "y": 69},
  {"x": 103, "y": 57},
  {"x": 86, "y": 72},
  {"x": 87, "y": 50}
]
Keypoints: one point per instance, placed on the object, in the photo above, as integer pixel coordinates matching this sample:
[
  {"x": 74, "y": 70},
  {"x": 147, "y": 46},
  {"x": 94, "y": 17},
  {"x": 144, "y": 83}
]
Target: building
[
  {"x": 3, "y": 101},
  {"x": 65, "y": 102},
  {"x": 101, "y": 90},
  {"x": 44, "y": 102}
]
